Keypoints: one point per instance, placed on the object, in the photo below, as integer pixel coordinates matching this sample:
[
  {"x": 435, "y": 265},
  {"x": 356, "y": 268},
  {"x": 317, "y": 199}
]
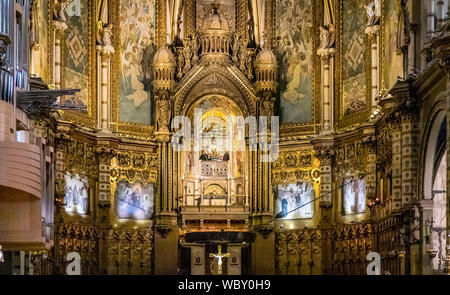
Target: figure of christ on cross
[{"x": 219, "y": 257}]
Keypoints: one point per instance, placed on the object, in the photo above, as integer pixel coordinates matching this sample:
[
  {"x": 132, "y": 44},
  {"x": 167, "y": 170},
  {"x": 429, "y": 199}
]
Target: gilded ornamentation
[
  {"x": 163, "y": 109},
  {"x": 295, "y": 166},
  {"x": 130, "y": 251},
  {"x": 298, "y": 252}
]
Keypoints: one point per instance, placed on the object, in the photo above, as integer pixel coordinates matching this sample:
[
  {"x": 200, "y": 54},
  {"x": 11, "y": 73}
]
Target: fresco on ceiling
[
  {"x": 137, "y": 31},
  {"x": 294, "y": 52},
  {"x": 76, "y": 50},
  {"x": 353, "y": 52}
]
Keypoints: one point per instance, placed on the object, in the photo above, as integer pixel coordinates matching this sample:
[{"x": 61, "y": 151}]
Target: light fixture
[{"x": 2, "y": 257}]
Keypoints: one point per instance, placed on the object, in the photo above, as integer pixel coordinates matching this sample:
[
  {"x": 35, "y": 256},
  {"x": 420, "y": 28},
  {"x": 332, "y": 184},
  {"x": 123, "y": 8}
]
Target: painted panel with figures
[
  {"x": 392, "y": 58},
  {"x": 353, "y": 56},
  {"x": 134, "y": 200},
  {"x": 137, "y": 48},
  {"x": 354, "y": 196},
  {"x": 294, "y": 31},
  {"x": 295, "y": 200},
  {"x": 76, "y": 199}
]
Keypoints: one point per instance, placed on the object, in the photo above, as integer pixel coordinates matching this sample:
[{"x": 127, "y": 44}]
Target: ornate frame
[
  {"x": 127, "y": 129},
  {"x": 89, "y": 119},
  {"x": 133, "y": 166},
  {"x": 340, "y": 120},
  {"x": 312, "y": 127}
]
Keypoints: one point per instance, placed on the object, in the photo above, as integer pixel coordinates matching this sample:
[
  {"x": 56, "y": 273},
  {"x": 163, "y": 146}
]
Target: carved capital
[
  {"x": 104, "y": 51},
  {"x": 163, "y": 230},
  {"x": 265, "y": 231},
  {"x": 372, "y": 33}
]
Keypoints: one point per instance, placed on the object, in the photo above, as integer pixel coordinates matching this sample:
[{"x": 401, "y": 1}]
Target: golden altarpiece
[{"x": 130, "y": 203}]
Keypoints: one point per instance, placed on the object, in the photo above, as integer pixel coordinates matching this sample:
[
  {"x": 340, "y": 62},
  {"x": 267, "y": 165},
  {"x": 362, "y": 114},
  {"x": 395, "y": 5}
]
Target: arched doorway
[
  {"x": 214, "y": 168},
  {"x": 438, "y": 235},
  {"x": 435, "y": 193}
]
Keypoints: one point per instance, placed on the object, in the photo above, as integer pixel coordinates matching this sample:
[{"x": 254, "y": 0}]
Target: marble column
[
  {"x": 105, "y": 155},
  {"x": 327, "y": 73},
  {"x": 373, "y": 33},
  {"x": 104, "y": 89},
  {"x": 396, "y": 164},
  {"x": 59, "y": 28}
]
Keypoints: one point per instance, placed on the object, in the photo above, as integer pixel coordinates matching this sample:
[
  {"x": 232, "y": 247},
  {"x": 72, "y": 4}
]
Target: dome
[
  {"x": 164, "y": 57},
  {"x": 265, "y": 57},
  {"x": 215, "y": 20}
]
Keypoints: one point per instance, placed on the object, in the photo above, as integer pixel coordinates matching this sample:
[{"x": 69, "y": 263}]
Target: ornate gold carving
[
  {"x": 299, "y": 251},
  {"x": 130, "y": 251},
  {"x": 295, "y": 166}
]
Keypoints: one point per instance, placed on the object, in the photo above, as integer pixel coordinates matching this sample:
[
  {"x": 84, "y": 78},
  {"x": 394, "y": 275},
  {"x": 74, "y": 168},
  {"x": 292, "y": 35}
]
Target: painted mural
[
  {"x": 76, "y": 50},
  {"x": 353, "y": 52},
  {"x": 294, "y": 30},
  {"x": 354, "y": 196},
  {"x": 76, "y": 199},
  {"x": 295, "y": 200},
  {"x": 392, "y": 61},
  {"x": 134, "y": 200},
  {"x": 137, "y": 31}
]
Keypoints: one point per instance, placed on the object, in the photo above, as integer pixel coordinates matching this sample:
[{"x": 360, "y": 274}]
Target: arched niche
[{"x": 216, "y": 162}]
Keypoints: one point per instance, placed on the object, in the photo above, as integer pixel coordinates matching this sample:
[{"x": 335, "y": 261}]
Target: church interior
[{"x": 98, "y": 96}]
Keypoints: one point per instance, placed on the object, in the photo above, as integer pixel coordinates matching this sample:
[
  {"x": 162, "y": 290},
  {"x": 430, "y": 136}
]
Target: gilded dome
[
  {"x": 164, "y": 57},
  {"x": 216, "y": 20},
  {"x": 265, "y": 57}
]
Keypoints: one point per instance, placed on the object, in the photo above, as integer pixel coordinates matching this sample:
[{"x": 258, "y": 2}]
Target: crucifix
[{"x": 219, "y": 257}]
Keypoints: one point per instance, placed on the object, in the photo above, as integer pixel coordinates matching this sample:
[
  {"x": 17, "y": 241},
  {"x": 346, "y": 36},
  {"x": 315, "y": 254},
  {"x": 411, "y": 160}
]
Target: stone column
[
  {"x": 262, "y": 207},
  {"x": 104, "y": 89},
  {"x": 412, "y": 49},
  {"x": 410, "y": 131},
  {"x": 371, "y": 165},
  {"x": 105, "y": 155},
  {"x": 327, "y": 69},
  {"x": 373, "y": 33},
  {"x": 431, "y": 19},
  {"x": 59, "y": 28},
  {"x": 440, "y": 14},
  {"x": 166, "y": 238},
  {"x": 396, "y": 164},
  {"x": 325, "y": 154},
  {"x": 61, "y": 147}
]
